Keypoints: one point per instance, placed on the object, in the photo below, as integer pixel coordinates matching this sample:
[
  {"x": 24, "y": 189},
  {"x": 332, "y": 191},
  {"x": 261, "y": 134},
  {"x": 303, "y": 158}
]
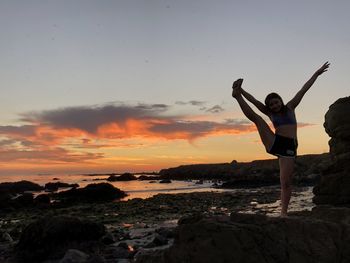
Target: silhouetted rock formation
[
  {"x": 9, "y": 192},
  {"x": 251, "y": 174},
  {"x": 334, "y": 186},
  {"x": 248, "y": 238},
  {"x": 50, "y": 237},
  {"x": 20, "y": 187},
  {"x": 101, "y": 192},
  {"x": 123, "y": 177}
]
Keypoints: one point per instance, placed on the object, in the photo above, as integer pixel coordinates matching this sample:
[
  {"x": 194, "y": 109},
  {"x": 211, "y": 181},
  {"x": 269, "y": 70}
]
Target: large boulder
[
  {"x": 334, "y": 186},
  {"x": 50, "y": 237},
  {"x": 247, "y": 238},
  {"x": 20, "y": 187},
  {"x": 101, "y": 192}
]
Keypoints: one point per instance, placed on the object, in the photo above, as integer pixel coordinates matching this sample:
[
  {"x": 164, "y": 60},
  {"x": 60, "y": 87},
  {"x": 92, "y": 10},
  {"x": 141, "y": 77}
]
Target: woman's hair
[{"x": 271, "y": 96}]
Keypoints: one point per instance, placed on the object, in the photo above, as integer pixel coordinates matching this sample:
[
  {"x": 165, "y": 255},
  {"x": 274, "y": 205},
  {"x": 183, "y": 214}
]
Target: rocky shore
[
  {"x": 233, "y": 226},
  {"x": 110, "y": 231}
]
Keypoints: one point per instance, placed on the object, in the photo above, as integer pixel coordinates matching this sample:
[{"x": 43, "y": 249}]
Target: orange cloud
[{"x": 65, "y": 135}]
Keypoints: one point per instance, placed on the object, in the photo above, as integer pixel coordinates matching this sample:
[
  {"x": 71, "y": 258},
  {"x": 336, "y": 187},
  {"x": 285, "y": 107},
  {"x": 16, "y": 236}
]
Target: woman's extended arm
[
  {"x": 253, "y": 100},
  {"x": 293, "y": 103}
]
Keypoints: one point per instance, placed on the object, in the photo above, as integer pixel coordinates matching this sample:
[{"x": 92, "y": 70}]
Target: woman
[{"x": 282, "y": 143}]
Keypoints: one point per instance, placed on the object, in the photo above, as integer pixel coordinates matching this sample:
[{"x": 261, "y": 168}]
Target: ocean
[{"x": 134, "y": 189}]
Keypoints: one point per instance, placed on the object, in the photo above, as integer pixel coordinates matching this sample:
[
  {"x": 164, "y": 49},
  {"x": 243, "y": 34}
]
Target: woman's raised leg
[{"x": 266, "y": 134}]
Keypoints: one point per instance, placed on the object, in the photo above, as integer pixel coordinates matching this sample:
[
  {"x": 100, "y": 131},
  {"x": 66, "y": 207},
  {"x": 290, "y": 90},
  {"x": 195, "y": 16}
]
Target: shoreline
[{"x": 136, "y": 223}]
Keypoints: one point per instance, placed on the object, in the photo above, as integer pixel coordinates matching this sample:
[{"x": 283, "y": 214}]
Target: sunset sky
[{"x": 114, "y": 86}]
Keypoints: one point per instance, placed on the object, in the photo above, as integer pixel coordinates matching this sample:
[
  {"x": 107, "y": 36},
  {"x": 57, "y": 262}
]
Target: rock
[
  {"x": 157, "y": 241},
  {"x": 165, "y": 232},
  {"x": 189, "y": 219},
  {"x": 118, "y": 253},
  {"x": 334, "y": 186},
  {"x": 97, "y": 259},
  {"x": 108, "y": 239},
  {"x": 74, "y": 256},
  {"x": 42, "y": 199},
  {"x": 20, "y": 187},
  {"x": 6, "y": 237},
  {"x": 55, "y": 186},
  {"x": 252, "y": 174},
  {"x": 165, "y": 181},
  {"x": 147, "y": 178},
  {"x": 123, "y": 177},
  {"x": 101, "y": 192},
  {"x": 248, "y": 238},
  {"x": 26, "y": 199},
  {"x": 50, "y": 237}
]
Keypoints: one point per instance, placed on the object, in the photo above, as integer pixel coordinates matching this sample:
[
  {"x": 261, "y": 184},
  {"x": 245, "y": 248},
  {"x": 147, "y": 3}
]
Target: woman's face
[{"x": 275, "y": 105}]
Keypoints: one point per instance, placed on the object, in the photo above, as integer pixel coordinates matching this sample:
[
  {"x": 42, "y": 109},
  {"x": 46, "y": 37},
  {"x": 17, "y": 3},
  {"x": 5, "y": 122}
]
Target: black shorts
[{"x": 284, "y": 146}]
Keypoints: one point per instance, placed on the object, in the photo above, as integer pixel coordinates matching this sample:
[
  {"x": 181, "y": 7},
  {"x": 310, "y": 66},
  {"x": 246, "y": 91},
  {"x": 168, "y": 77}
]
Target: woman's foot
[{"x": 236, "y": 88}]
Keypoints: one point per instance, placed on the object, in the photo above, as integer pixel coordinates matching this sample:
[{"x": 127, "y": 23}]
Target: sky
[{"x": 114, "y": 86}]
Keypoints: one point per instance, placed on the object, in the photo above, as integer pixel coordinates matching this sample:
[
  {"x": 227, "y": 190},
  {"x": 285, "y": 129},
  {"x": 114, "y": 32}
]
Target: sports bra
[{"x": 283, "y": 119}]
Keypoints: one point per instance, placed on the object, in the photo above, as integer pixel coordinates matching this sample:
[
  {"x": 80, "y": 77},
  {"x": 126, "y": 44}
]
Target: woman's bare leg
[
  {"x": 286, "y": 177},
  {"x": 266, "y": 134}
]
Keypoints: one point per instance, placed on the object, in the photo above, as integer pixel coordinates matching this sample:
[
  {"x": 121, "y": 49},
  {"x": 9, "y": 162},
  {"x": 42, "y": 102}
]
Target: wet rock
[
  {"x": 42, "y": 199},
  {"x": 117, "y": 252},
  {"x": 248, "y": 238},
  {"x": 157, "y": 241},
  {"x": 123, "y": 177},
  {"x": 6, "y": 237},
  {"x": 165, "y": 232},
  {"x": 55, "y": 186},
  {"x": 101, "y": 192},
  {"x": 20, "y": 187},
  {"x": 74, "y": 256},
  {"x": 108, "y": 239},
  {"x": 50, "y": 237},
  {"x": 26, "y": 199},
  {"x": 165, "y": 181},
  {"x": 189, "y": 219},
  {"x": 147, "y": 178}
]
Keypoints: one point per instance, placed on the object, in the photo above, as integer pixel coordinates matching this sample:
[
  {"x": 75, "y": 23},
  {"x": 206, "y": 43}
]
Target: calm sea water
[
  {"x": 301, "y": 199},
  {"x": 134, "y": 189}
]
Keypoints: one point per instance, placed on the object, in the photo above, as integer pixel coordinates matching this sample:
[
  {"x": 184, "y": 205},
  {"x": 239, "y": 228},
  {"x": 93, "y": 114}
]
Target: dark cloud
[
  {"x": 89, "y": 119},
  {"x": 53, "y": 155},
  {"x": 215, "y": 109},
  {"x": 4, "y": 143},
  {"x": 191, "y": 102},
  {"x": 194, "y": 129},
  {"x": 24, "y": 130}
]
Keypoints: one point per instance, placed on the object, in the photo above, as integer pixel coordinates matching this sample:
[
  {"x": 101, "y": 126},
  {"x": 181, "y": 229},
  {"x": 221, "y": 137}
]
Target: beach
[{"x": 136, "y": 223}]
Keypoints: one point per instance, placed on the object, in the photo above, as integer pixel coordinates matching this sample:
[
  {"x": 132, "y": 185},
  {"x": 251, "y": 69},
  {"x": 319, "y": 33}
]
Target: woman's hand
[{"x": 322, "y": 69}]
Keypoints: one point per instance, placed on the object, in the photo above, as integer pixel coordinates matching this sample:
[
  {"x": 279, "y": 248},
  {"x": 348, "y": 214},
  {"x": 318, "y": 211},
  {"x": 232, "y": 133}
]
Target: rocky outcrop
[
  {"x": 248, "y": 238},
  {"x": 334, "y": 186},
  {"x": 13, "y": 196},
  {"x": 123, "y": 177},
  {"x": 20, "y": 187},
  {"x": 251, "y": 174},
  {"x": 101, "y": 192},
  {"x": 50, "y": 237}
]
